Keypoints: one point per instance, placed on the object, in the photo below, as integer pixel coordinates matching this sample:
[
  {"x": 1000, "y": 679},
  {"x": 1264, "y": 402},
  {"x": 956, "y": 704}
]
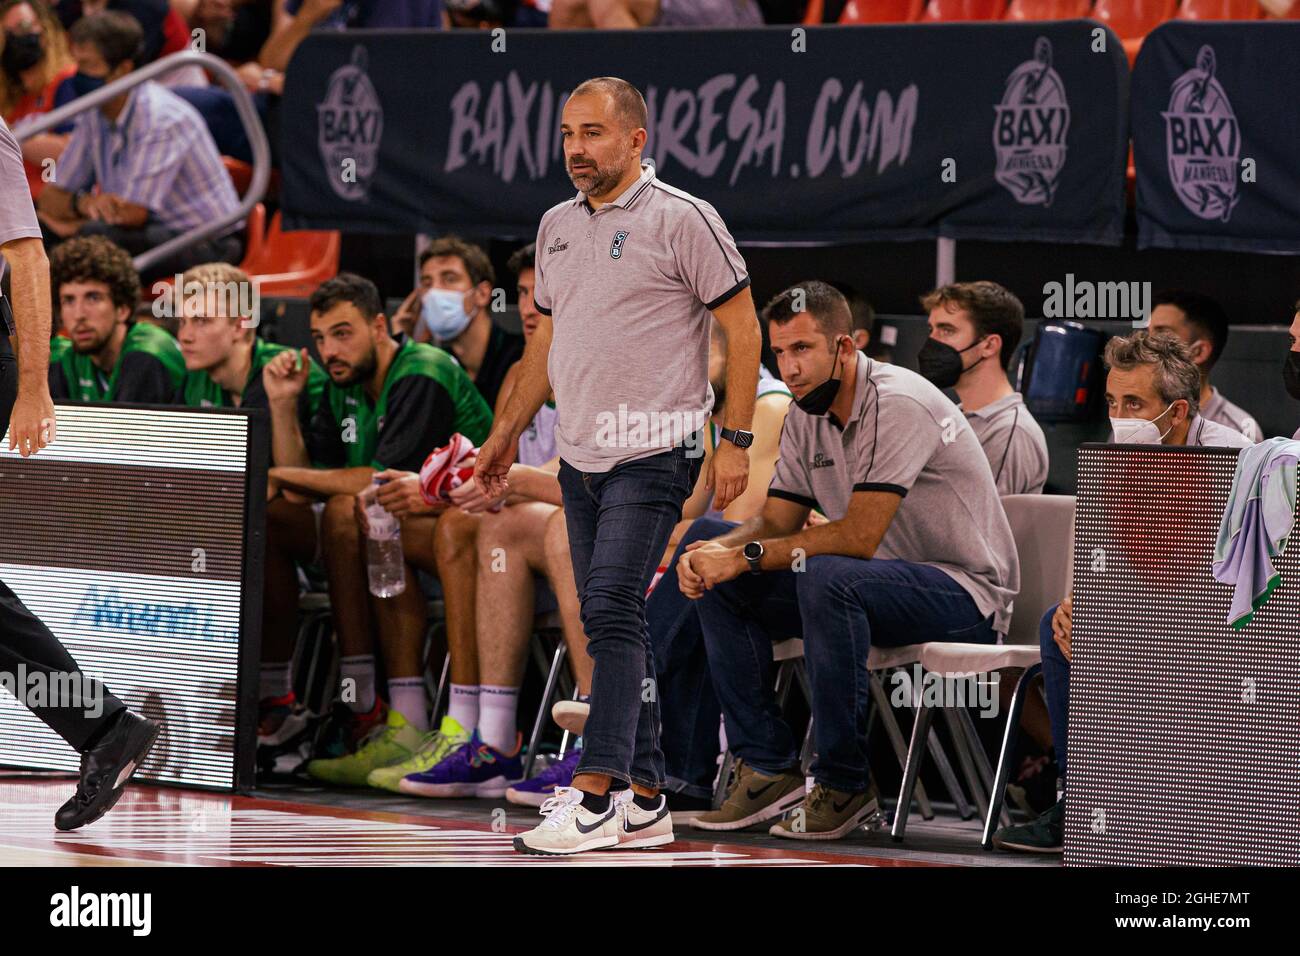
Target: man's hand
[
  {"x": 104, "y": 207},
  {"x": 728, "y": 473},
  {"x": 470, "y": 497},
  {"x": 408, "y": 313},
  {"x": 706, "y": 563},
  {"x": 1061, "y": 626},
  {"x": 31, "y": 424},
  {"x": 317, "y": 10},
  {"x": 400, "y": 495},
  {"x": 492, "y": 466},
  {"x": 284, "y": 376}
]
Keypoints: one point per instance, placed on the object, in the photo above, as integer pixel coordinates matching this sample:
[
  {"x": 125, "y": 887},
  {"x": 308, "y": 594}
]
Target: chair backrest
[
  {"x": 949, "y": 11},
  {"x": 1131, "y": 19},
  {"x": 1218, "y": 10},
  {"x": 1043, "y": 527},
  {"x": 881, "y": 11},
  {"x": 1046, "y": 9}
]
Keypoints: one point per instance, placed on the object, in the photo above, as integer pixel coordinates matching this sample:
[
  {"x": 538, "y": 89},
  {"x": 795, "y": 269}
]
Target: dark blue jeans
[
  {"x": 687, "y": 704},
  {"x": 1056, "y": 685},
  {"x": 841, "y": 606},
  {"x": 619, "y": 522}
]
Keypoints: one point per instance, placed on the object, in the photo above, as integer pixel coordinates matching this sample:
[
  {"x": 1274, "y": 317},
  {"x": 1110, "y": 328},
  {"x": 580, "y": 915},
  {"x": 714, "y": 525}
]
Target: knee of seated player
[
  {"x": 454, "y": 536},
  {"x": 339, "y": 524}
]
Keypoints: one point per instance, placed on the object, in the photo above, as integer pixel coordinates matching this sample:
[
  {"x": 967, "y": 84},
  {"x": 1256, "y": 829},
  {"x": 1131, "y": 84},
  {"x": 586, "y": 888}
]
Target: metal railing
[{"x": 247, "y": 116}]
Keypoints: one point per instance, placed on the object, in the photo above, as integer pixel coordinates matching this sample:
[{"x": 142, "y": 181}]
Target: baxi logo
[
  {"x": 616, "y": 247},
  {"x": 350, "y": 122},
  {"x": 1030, "y": 128},
  {"x": 1202, "y": 141}
]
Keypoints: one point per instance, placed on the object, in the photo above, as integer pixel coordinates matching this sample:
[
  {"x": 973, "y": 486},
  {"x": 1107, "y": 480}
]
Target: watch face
[
  {"x": 742, "y": 439},
  {"x": 753, "y": 551}
]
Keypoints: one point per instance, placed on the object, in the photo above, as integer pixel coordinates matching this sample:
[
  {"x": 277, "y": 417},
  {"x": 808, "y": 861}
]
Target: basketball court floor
[{"x": 303, "y": 826}]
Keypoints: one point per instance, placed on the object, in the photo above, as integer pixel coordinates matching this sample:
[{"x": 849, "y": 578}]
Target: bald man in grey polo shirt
[
  {"x": 628, "y": 273},
  {"x": 917, "y": 549}
]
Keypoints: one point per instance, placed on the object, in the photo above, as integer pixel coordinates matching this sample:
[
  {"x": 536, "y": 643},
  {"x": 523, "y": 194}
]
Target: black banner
[
  {"x": 1001, "y": 131},
  {"x": 1216, "y": 137}
]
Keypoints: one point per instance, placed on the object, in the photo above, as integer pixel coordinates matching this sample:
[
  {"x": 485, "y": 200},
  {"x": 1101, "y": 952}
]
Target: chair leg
[
  {"x": 437, "y": 693},
  {"x": 915, "y": 754},
  {"x": 724, "y": 778},
  {"x": 967, "y": 762},
  {"x": 544, "y": 708},
  {"x": 885, "y": 710},
  {"x": 1009, "y": 737},
  {"x": 564, "y": 737},
  {"x": 806, "y": 752},
  {"x": 981, "y": 757},
  {"x": 944, "y": 766}
]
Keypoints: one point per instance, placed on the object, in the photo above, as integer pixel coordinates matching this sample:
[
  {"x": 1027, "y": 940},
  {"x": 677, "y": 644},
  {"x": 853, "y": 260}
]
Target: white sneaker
[
  {"x": 638, "y": 828},
  {"x": 571, "y": 715},
  {"x": 570, "y": 827}
]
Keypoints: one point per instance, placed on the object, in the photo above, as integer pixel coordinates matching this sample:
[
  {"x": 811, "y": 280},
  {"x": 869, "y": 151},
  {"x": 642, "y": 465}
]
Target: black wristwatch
[
  {"x": 737, "y": 436},
  {"x": 753, "y": 553}
]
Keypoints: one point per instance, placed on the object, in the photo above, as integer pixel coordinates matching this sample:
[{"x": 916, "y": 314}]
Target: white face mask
[
  {"x": 443, "y": 312},
  {"x": 1139, "y": 431}
]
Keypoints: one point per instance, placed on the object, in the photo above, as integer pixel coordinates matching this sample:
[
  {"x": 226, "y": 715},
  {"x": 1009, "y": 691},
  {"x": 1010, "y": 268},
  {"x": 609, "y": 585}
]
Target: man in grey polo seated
[
  {"x": 917, "y": 548},
  {"x": 1153, "y": 391},
  {"x": 974, "y": 330}
]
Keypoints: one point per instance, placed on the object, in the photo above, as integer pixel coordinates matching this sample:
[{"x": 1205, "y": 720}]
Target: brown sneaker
[
  {"x": 827, "y": 814},
  {"x": 753, "y": 798}
]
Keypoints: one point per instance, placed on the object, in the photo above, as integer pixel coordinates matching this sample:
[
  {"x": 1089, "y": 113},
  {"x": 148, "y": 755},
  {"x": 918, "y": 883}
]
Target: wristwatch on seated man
[
  {"x": 753, "y": 553},
  {"x": 737, "y": 436}
]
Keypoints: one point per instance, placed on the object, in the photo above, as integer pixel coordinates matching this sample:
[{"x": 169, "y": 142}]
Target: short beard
[
  {"x": 95, "y": 347},
  {"x": 601, "y": 181},
  {"x": 363, "y": 371}
]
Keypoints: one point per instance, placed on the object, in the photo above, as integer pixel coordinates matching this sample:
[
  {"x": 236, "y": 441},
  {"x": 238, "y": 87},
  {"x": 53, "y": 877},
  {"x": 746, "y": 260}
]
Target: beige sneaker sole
[
  {"x": 571, "y": 715},
  {"x": 786, "y": 803}
]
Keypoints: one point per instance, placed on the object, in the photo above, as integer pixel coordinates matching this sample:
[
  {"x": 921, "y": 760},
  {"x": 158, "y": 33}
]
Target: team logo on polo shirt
[
  {"x": 556, "y": 246},
  {"x": 1202, "y": 141},
  {"x": 350, "y": 122},
  {"x": 1030, "y": 127},
  {"x": 616, "y": 247},
  {"x": 821, "y": 460}
]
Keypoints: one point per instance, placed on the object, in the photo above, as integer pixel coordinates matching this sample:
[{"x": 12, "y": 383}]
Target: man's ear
[
  {"x": 861, "y": 338},
  {"x": 992, "y": 345},
  {"x": 1200, "y": 350},
  {"x": 1181, "y": 412}
]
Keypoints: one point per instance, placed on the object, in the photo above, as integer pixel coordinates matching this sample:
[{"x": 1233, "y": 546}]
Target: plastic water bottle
[{"x": 384, "y": 559}]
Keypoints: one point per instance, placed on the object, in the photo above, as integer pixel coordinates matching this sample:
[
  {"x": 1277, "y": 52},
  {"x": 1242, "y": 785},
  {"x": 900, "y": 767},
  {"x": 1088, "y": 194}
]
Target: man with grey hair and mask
[
  {"x": 1153, "y": 391},
  {"x": 627, "y": 275}
]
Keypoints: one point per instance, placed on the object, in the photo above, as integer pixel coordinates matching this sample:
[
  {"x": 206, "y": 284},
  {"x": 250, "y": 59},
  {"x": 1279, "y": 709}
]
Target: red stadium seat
[
  {"x": 1133, "y": 19},
  {"x": 1218, "y": 10},
  {"x": 241, "y": 173},
  {"x": 813, "y": 14},
  {"x": 948, "y": 11},
  {"x": 293, "y": 264},
  {"x": 1046, "y": 9},
  {"x": 881, "y": 11},
  {"x": 254, "y": 235}
]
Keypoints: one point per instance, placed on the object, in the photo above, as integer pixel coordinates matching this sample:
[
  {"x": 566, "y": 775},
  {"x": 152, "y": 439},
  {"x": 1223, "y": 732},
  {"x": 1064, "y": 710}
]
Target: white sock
[
  {"x": 463, "y": 707},
  {"x": 406, "y": 696},
  {"x": 360, "y": 672},
  {"x": 273, "y": 681},
  {"x": 497, "y": 708}
]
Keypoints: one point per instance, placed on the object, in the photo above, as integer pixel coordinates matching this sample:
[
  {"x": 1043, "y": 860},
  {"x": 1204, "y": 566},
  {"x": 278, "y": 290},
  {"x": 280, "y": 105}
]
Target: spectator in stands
[
  {"x": 1202, "y": 325},
  {"x": 499, "y": 552},
  {"x": 630, "y": 14},
  {"x": 34, "y": 61},
  {"x": 234, "y": 30},
  {"x": 451, "y": 307},
  {"x": 917, "y": 545},
  {"x": 689, "y": 708},
  {"x": 974, "y": 330},
  {"x": 1153, "y": 391},
  {"x": 294, "y": 19},
  {"x": 386, "y": 406},
  {"x": 105, "y": 356},
  {"x": 150, "y": 154},
  {"x": 165, "y": 32}
]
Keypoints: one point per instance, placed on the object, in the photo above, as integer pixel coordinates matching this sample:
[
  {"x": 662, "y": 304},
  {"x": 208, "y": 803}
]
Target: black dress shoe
[{"x": 105, "y": 769}]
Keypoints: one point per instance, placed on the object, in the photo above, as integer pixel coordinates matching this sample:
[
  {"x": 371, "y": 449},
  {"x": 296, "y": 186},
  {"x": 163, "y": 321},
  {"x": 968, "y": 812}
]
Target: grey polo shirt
[
  {"x": 629, "y": 288},
  {"x": 904, "y": 436},
  {"x": 1219, "y": 409},
  {"x": 1202, "y": 431},
  {"x": 17, "y": 215},
  {"x": 1013, "y": 443}
]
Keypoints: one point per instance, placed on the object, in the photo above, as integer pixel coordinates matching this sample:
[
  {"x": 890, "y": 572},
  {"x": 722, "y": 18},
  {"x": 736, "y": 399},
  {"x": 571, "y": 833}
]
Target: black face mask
[
  {"x": 818, "y": 400},
  {"x": 941, "y": 363},
  {"x": 22, "y": 52},
  {"x": 1291, "y": 374}
]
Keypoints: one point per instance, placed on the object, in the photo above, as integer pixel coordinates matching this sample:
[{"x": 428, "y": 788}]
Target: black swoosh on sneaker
[
  {"x": 753, "y": 794},
  {"x": 587, "y": 829},
  {"x": 841, "y": 807},
  {"x": 633, "y": 828}
]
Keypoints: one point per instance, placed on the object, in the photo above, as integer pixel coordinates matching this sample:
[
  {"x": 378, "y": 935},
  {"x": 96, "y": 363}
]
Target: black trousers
[{"x": 28, "y": 648}]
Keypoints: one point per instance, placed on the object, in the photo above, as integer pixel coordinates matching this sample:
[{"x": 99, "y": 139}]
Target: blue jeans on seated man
[
  {"x": 619, "y": 522},
  {"x": 1056, "y": 685},
  {"x": 841, "y": 606},
  {"x": 689, "y": 707}
]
